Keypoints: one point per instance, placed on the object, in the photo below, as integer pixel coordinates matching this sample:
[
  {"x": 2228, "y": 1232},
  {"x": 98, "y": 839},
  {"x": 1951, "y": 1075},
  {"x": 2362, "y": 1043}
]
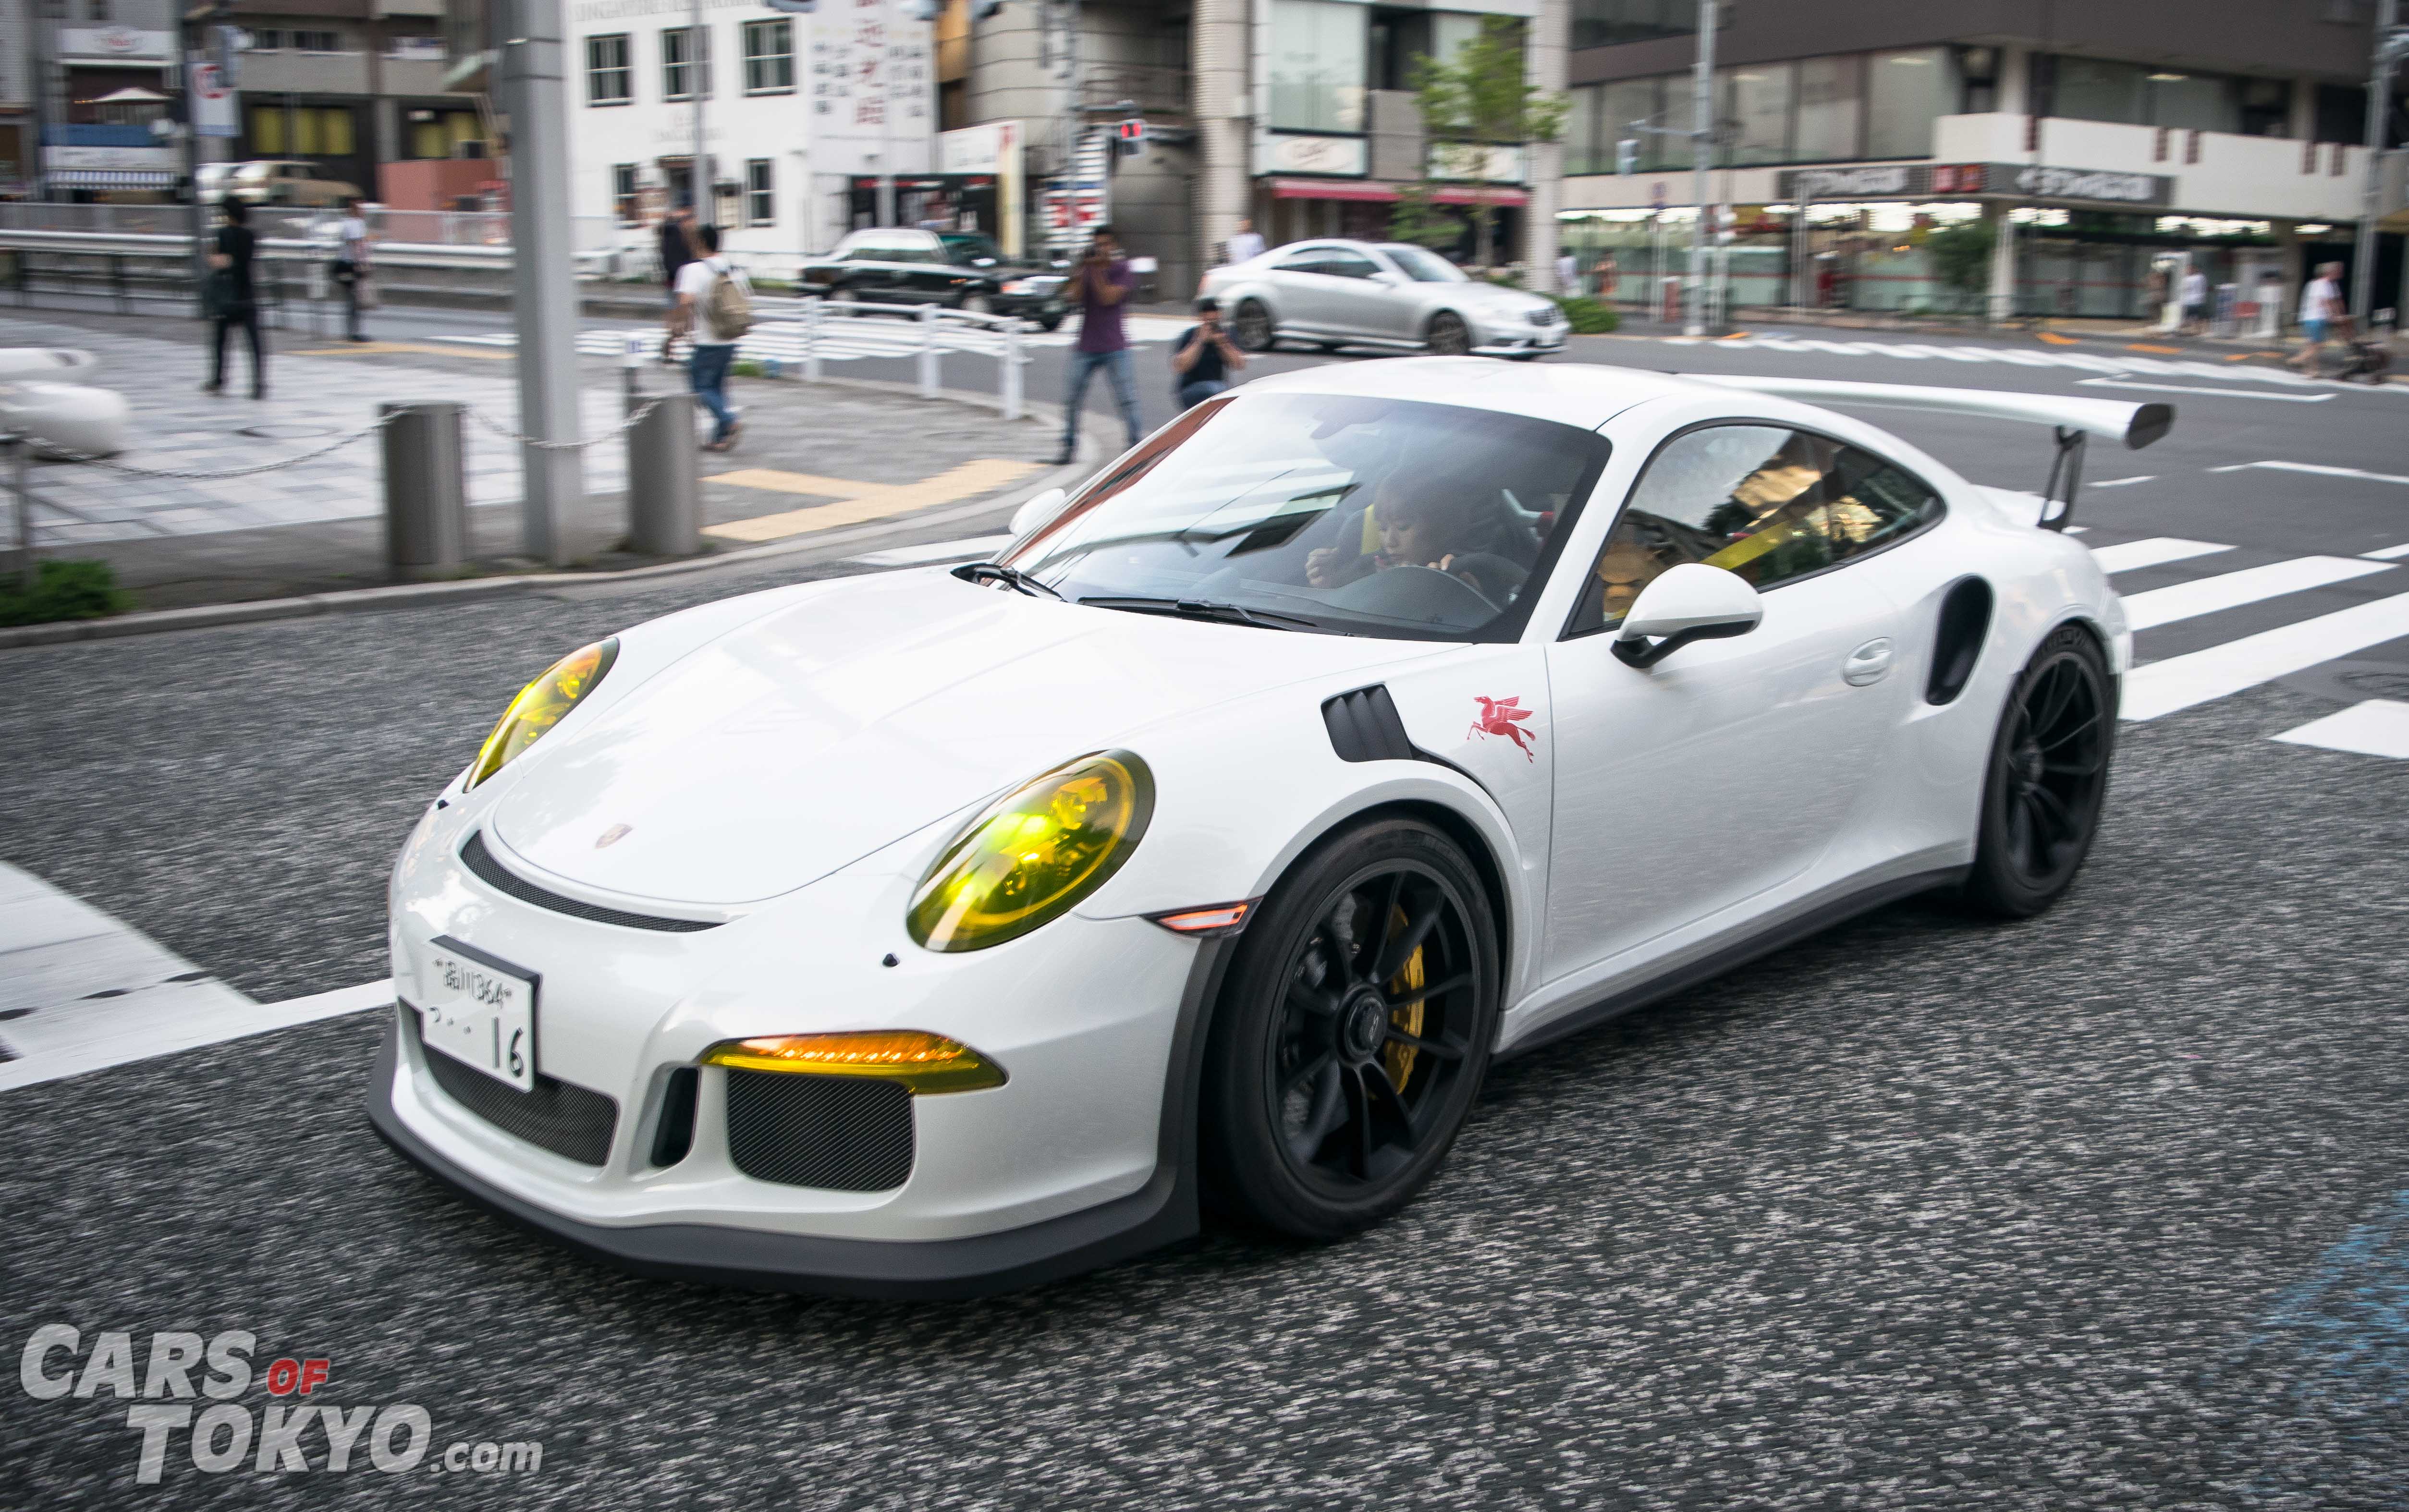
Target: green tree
[
  {"x": 1961, "y": 256},
  {"x": 1478, "y": 99},
  {"x": 1417, "y": 218}
]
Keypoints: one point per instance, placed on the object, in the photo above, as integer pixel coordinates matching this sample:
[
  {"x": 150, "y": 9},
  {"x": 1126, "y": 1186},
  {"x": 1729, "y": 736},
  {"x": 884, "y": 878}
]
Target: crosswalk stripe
[
  {"x": 2128, "y": 556},
  {"x": 2379, "y": 727},
  {"x": 2232, "y": 590},
  {"x": 2390, "y": 554},
  {"x": 2178, "y": 683},
  {"x": 2123, "y": 364}
]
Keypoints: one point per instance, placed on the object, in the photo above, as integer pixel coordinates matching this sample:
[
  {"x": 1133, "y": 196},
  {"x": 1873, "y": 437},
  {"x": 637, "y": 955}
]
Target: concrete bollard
[
  {"x": 665, "y": 481},
  {"x": 425, "y": 491}
]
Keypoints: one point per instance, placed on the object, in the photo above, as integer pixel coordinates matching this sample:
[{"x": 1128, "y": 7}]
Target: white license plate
[{"x": 479, "y": 1010}]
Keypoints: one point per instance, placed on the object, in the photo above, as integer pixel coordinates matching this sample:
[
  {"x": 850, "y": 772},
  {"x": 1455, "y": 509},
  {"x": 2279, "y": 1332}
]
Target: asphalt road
[{"x": 2106, "y": 1209}]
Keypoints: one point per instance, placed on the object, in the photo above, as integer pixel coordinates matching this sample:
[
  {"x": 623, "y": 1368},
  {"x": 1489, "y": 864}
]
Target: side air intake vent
[
  {"x": 1957, "y": 645},
  {"x": 490, "y": 872},
  {"x": 1365, "y": 726}
]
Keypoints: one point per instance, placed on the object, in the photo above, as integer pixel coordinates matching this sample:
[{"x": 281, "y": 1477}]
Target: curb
[{"x": 470, "y": 590}]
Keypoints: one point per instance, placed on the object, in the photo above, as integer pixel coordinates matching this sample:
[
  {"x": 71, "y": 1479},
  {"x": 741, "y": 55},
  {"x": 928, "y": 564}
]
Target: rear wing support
[{"x": 2065, "y": 472}]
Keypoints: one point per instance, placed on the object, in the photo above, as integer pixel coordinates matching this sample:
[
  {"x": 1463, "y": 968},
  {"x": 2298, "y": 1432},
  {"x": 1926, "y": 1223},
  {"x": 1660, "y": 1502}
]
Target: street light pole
[
  {"x": 2391, "y": 45},
  {"x": 706, "y": 209},
  {"x": 544, "y": 272},
  {"x": 1702, "y": 144}
]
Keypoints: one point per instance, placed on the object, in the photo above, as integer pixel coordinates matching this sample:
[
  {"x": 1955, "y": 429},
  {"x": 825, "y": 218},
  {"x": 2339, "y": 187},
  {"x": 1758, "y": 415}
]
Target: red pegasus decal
[{"x": 1501, "y": 716}]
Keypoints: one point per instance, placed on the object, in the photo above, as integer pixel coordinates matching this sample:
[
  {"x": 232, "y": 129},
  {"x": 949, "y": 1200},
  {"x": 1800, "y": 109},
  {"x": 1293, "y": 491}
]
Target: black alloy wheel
[
  {"x": 2048, "y": 777},
  {"x": 1252, "y": 327},
  {"x": 1352, "y": 1034},
  {"x": 1448, "y": 337}
]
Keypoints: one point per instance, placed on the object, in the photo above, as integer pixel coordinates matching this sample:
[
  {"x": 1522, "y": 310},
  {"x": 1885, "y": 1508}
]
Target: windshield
[
  {"x": 1423, "y": 266},
  {"x": 964, "y": 247},
  {"x": 1340, "y": 514}
]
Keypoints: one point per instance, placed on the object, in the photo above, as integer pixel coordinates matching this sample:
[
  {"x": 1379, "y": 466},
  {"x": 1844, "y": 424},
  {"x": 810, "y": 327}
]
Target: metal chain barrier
[{"x": 182, "y": 475}]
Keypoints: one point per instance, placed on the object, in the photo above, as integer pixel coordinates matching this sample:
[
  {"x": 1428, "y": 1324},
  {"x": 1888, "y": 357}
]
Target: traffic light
[
  {"x": 1132, "y": 138},
  {"x": 1626, "y": 156}
]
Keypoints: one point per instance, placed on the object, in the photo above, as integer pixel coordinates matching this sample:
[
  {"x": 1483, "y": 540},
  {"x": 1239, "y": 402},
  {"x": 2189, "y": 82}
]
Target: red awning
[{"x": 1365, "y": 189}]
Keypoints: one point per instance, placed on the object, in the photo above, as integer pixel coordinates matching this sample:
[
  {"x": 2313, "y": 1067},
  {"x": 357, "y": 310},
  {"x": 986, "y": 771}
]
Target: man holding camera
[
  {"x": 1205, "y": 358},
  {"x": 1099, "y": 286}
]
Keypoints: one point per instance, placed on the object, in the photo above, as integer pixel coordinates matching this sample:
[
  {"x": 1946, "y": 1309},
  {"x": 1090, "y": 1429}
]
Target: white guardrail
[{"x": 821, "y": 329}]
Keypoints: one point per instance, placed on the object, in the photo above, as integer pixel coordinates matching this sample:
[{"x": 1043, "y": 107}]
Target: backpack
[{"x": 727, "y": 310}]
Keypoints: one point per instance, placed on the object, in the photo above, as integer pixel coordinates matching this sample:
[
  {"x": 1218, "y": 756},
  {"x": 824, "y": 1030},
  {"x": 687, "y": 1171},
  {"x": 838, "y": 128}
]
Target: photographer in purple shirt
[{"x": 1101, "y": 282}]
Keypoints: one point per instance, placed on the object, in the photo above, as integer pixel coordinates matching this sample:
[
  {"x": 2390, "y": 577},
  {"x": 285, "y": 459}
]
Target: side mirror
[
  {"x": 1035, "y": 511},
  {"x": 1690, "y": 602}
]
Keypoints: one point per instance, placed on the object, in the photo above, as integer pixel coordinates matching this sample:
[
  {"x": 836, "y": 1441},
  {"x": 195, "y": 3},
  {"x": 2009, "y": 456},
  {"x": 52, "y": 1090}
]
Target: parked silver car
[{"x": 1334, "y": 294}]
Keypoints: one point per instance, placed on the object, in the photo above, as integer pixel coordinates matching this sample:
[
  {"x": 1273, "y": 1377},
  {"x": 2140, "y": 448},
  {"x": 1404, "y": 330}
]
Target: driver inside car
[{"x": 1433, "y": 522}]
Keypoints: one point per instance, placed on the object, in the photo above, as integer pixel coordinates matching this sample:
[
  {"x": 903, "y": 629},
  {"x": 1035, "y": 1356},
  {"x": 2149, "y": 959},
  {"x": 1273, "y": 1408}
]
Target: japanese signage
[
  {"x": 1854, "y": 183},
  {"x": 870, "y": 84},
  {"x": 1918, "y": 180},
  {"x": 2085, "y": 183}
]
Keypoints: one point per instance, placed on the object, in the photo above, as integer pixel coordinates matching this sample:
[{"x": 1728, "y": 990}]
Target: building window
[
  {"x": 769, "y": 57},
  {"x": 1320, "y": 49},
  {"x": 624, "y": 201},
  {"x": 268, "y": 39},
  {"x": 317, "y": 42},
  {"x": 1756, "y": 99},
  {"x": 685, "y": 63},
  {"x": 1621, "y": 106},
  {"x": 97, "y": 10},
  {"x": 302, "y": 131},
  {"x": 1905, "y": 94},
  {"x": 1598, "y": 24},
  {"x": 610, "y": 78},
  {"x": 441, "y": 133},
  {"x": 760, "y": 207},
  {"x": 1831, "y": 104},
  {"x": 1583, "y": 152}
]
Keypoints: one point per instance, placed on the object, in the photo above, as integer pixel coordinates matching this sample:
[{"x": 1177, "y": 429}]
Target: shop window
[
  {"x": 769, "y": 57},
  {"x": 624, "y": 198},
  {"x": 685, "y": 63},
  {"x": 317, "y": 42},
  {"x": 1978, "y": 80},
  {"x": 2192, "y": 102},
  {"x": 610, "y": 77},
  {"x": 439, "y": 133},
  {"x": 1319, "y": 50},
  {"x": 760, "y": 208},
  {"x": 1621, "y": 106},
  {"x": 302, "y": 131},
  {"x": 1598, "y": 24},
  {"x": 1904, "y": 93},
  {"x": 1756, "y": 99},
  {"x": 1831, "y": 103},
  {"x": 266, "y": 39}
]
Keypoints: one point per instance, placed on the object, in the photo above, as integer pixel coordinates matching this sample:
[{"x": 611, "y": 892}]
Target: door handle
[{"x": 1868, "y": 663}]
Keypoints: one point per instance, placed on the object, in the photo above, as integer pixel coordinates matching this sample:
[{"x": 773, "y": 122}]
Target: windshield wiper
[
  {"x": 1202, "y": 608},
  {"x": 1011, "y": 577}
]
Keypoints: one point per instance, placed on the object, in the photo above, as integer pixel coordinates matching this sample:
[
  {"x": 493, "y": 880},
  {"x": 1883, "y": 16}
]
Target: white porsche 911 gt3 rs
[{"x": 947, "y": 931}]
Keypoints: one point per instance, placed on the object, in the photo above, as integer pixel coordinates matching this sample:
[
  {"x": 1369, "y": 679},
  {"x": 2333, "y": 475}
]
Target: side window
[
  {"x": 1308, "y": 260},
  {"x": 1765, "y": 501},
  {"x": 1347, "y": 265}
]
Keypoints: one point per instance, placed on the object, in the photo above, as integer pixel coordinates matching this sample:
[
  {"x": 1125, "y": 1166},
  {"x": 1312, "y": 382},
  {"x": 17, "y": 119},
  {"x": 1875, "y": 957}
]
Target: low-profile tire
[
  {"x": 1448, "y": 335},
  {"x": 1050, "y": 323},
  {"x": 1343, "y": 1060},
  {"x": 2047, "y": 779},
  {"x": 1251, "y": 327},
  {"x": 977, "y": 304}
]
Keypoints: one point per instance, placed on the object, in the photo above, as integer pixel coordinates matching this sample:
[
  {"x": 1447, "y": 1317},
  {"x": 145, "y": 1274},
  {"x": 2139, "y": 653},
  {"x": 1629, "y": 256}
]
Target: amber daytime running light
[
  {"x": 542, "y": 704},
  {"x": 1034, "y": 855},
  {"x": 923, "y": 1063}
]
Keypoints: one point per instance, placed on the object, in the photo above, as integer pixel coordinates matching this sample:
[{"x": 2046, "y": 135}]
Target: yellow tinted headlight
[
  {"x": 542, "y": 704},
  {"x": 1034, "y": 855}
]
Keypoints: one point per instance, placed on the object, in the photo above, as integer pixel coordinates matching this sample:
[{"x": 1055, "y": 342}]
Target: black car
[{"x": 898, "y": 266}]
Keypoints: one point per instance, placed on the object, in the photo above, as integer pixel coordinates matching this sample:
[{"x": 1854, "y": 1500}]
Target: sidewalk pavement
[{"x": 811, "y": 457}]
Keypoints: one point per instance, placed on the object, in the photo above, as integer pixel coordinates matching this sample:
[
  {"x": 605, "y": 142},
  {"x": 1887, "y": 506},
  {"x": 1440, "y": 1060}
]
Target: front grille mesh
[
  {"x": 569, "y": 1121},
  {"x": 844, "y": 1133}
]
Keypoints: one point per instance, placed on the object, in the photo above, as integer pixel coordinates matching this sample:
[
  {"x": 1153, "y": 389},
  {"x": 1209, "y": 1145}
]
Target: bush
[
  {"x": 64, "y": 591},
  {"x": 1588, "y": 317}
]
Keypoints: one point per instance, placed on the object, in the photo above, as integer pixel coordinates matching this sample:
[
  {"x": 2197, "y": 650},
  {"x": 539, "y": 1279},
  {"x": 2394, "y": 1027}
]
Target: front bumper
[
  {"x": 1522, "y": 343},
  {"x": 1032, "y": 306}
]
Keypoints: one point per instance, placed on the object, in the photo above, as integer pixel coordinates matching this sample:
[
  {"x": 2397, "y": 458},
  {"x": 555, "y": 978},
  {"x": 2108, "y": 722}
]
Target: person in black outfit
[
  {"x": 232, "y": 299},
  {"x": 1204, "y": 357},
  {"x": 677, "y": 249}
]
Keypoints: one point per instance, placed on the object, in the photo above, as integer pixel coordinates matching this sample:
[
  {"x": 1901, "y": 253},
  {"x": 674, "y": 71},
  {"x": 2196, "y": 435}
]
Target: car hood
[
  {"x": 806, "y": 738},
  {"x": 1495, "y": 299}
]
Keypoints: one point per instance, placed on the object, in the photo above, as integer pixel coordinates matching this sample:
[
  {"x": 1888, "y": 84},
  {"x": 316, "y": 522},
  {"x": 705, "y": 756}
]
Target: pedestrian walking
[
  {"x": 2320, "y": 304},
  {"x": 1608, "y": 277},
  {"x": 2195, "y": 302},
  {"x": 352, "y": 266},
  {"x": 233, "y": 303},
  {"x": 1244, "y": 244},
  {"x": 1098, "y": 287},
  {"x": 1203, "y": 358},
  {"x": 715, "y": 307},
  {"x": 1568, "y": 278},
  {"x": 677, "y": 250}
]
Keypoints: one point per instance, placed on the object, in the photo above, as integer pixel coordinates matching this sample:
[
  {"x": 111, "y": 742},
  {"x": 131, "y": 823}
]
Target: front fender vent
[
  {"x": 477, "y": 858},
  {"x": 1958, "y": 641},
  {"x": 1364, "y": 726}
]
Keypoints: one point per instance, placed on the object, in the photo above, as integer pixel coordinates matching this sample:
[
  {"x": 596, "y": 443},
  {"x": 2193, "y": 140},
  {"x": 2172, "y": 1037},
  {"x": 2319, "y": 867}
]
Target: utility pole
[
  {"x": 1702, "y": 146},
  {"x": 2391, "y": 45},
  {"x": 544, "y": 272},
  {"x": 706, "y": 209}
]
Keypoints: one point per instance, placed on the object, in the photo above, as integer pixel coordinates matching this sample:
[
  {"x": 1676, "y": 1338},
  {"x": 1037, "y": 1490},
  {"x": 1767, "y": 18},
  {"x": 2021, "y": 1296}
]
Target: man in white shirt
[
  {"x": 1568, "y": 275},
  {"x": 712, "y": 352},
  {"x": 2195, "y": 302},
  {"x": 1244, "y": 243},
  {"x": 2319, "y": 304},
  {"x": 351, "y": 263}
]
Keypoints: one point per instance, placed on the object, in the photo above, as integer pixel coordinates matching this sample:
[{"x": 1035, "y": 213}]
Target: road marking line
[
  {"x": 2056, "y": 340},
  {"x": 2145, "y": 346},
  {"x": 2194, "y": 388},
  {"x": 968, "y": 481},
  {"x": 2378, "y": 728},
  {"x": 938, "y": 551},
  {"x": 2119, "y": 482},
  {"x": 2157, "y": 550},
  {"x": 2390, "y": 554},
  {"x": 2322, "y": 470},
  {"x": 2179, "y": 682},
  {"x": 779, "y": 480},
  {"x": 2232, "y": 590}
]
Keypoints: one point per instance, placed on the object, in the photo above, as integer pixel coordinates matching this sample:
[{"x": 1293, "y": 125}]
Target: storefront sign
[
  {"x": 217, "y": 111},
  {"x": 1920, "y": 181},
  {"x": 57, "y": 158},
  {"x": 1460, "y": 161},
  {"x": 979, "y": 149},
  {"x": 1317, "y": 154},
  {"x": 1854, "y": 183},
  {"x": 126, "y": 43},
  {"x": 873, "y": 88},
  {"x": 2085, "y": 183}
]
